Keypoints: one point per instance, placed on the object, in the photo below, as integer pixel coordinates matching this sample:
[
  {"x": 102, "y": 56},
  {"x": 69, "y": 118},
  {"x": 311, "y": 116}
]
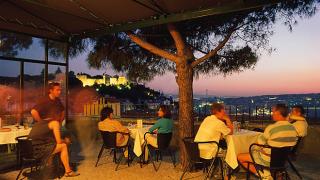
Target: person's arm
[
  {"x": 35, "y": 114},
  {"x": 61, "y": 116},
  {"x": 224, "y": 129},
  {"x": 228, "y": 122},
  {"x": 55, "y": 127},
  {"x": 62, "y": 110},
  {"x": 121, "y": 128},
  {"x": 155, "y": 126},
  {"x": 263, "y": 138}
]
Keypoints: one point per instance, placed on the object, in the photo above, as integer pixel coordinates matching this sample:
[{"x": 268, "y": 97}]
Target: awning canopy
[{"x": 61, "y": 19}]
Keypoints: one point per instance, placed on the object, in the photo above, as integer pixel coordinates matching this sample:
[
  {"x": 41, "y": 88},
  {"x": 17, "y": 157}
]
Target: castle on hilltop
[{"x": 105, "y": 79}]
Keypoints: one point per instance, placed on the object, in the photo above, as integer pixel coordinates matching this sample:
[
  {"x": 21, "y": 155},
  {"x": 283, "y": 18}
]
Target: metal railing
[
  {"x": 259, "y": 113},
  {"x": 237, "y": 113}
]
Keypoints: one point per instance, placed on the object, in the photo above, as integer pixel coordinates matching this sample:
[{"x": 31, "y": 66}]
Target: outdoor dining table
[
  {"x": 238, "y": 143},
  {"x": 9, "y": 137},
  {"x": 137, "y": 134}
]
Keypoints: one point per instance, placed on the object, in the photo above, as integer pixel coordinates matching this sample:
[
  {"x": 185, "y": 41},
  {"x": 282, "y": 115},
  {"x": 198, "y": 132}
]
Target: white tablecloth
[
  {"x": 239, "y": 143},
  {"x": 9, "y": 137},
  {"x": 137, "y": 135}
]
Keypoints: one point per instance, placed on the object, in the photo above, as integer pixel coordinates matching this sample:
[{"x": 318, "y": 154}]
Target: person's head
[
  {"x": 279, "y": 112},
  {"x": 218, "y": 110},
  {"x": 54, "y": 89},
  {"x": 164, "y": 112},
  {"x": 297, "y": 110},
  {"x": 105, "y": 113}
]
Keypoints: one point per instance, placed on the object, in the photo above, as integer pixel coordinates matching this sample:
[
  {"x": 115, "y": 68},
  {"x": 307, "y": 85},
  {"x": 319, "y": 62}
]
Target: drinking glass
[
  {"x": 246, "y": 124},
  {"x": 25, "y": 125}
]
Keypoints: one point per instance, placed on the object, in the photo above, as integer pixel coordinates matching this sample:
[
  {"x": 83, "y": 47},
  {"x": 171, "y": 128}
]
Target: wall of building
[{"x": 88, "y": 81}]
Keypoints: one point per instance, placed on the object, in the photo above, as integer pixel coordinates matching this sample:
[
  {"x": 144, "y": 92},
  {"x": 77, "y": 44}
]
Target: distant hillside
[{"x": 312, "y": 99}]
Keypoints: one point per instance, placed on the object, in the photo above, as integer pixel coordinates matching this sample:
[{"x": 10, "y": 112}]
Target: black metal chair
[
  {"x": 163, "y": 142},
  {"x": 33, "y": 155},
  {"x": 278, "y": 160},
  {"x": 195, "y": 159},
  {"x": 293, "y": 156},
  {"x": 109, "y": 142}
]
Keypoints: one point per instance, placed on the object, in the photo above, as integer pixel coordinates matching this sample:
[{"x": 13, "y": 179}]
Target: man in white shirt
[
  {"x": 211, "y": 129},
  {"x": 298, "y": 120}
]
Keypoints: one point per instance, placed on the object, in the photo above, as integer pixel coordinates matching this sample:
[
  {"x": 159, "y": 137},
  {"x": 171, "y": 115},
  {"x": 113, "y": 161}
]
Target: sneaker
[{"x": 71, "y": 174}]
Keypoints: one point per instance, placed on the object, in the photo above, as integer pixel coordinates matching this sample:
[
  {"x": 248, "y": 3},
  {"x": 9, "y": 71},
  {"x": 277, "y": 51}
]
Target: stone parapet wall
[{"x": 85, "y": 129}]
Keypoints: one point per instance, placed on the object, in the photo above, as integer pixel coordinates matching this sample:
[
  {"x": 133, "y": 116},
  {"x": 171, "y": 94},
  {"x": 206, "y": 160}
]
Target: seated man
[
  {"x": 279, "y": 134},
  {"x": 298, "y": 120},
  {"x": 211, "y": 129},
  {"x": 109, "y": 124}
]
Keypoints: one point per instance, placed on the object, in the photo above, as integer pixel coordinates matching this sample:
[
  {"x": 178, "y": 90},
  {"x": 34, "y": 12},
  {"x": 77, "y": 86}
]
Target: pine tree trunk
[{"x": 186, "y": 127}]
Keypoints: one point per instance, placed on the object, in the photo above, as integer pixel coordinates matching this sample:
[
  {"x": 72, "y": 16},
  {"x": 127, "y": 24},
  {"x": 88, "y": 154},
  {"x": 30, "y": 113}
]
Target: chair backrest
[
  {"x": 295, "y": 147},
  {"x": 163, "y": 140},
  {"x": 279, "y": 156},
  {"x": 109, "y": 139},
  {"x": 192, "y": 149},
  {"x": 25, "y": 148}
]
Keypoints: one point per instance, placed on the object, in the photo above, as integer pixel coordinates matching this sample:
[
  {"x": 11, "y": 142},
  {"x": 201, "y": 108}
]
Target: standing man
[
  {"x": 49, "y": 107},
  {"x": 211, "y": 129}
]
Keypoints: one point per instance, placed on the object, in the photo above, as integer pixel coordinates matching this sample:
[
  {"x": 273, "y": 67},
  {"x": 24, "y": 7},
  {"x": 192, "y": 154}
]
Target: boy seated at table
[
  {"x": 279, "y": 134},
  {"x": 297, "y": 119},
  {"x": 211, "y": 129}
]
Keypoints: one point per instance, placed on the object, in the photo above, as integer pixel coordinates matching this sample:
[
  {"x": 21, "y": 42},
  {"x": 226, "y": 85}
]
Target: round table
[
  {"x": 239, "y": 142},
  {"x": 137, "y": 134},
  {"x": 10, "y": 136}
]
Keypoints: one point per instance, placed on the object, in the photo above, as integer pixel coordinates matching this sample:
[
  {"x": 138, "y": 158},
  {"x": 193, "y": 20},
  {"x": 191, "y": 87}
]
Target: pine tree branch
[
  {"x": 178, "y": 40},
  {"x": 215, "y": 50},
  {"x": 152, "y": 48},
  {"x": 197, "y": 49}
]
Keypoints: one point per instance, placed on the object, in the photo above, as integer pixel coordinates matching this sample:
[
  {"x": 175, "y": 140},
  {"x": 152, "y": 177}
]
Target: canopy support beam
[{"x": 171, "y": 18}]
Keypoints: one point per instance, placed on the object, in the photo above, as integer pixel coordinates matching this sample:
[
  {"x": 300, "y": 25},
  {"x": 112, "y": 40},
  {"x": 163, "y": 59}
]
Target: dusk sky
[{"x": 293, "y": 68}]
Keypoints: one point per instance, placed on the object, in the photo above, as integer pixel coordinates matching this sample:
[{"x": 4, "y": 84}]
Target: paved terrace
[{"x": 87, "y": 144}]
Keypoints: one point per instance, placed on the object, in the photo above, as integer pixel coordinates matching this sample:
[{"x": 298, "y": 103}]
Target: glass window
[
  {"x": 9, "y": 91},
  {"x": 33, "y": 85},
  {"x": 56, "y": 51},
  {"x": 21, "y": 46},
  {"x": 57, "y": 74}
]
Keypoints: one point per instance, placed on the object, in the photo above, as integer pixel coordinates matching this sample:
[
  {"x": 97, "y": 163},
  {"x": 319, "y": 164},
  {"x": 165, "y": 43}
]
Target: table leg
[
  {"x": 9, "y": 149},
  {"x": 146, "y": 153}
]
